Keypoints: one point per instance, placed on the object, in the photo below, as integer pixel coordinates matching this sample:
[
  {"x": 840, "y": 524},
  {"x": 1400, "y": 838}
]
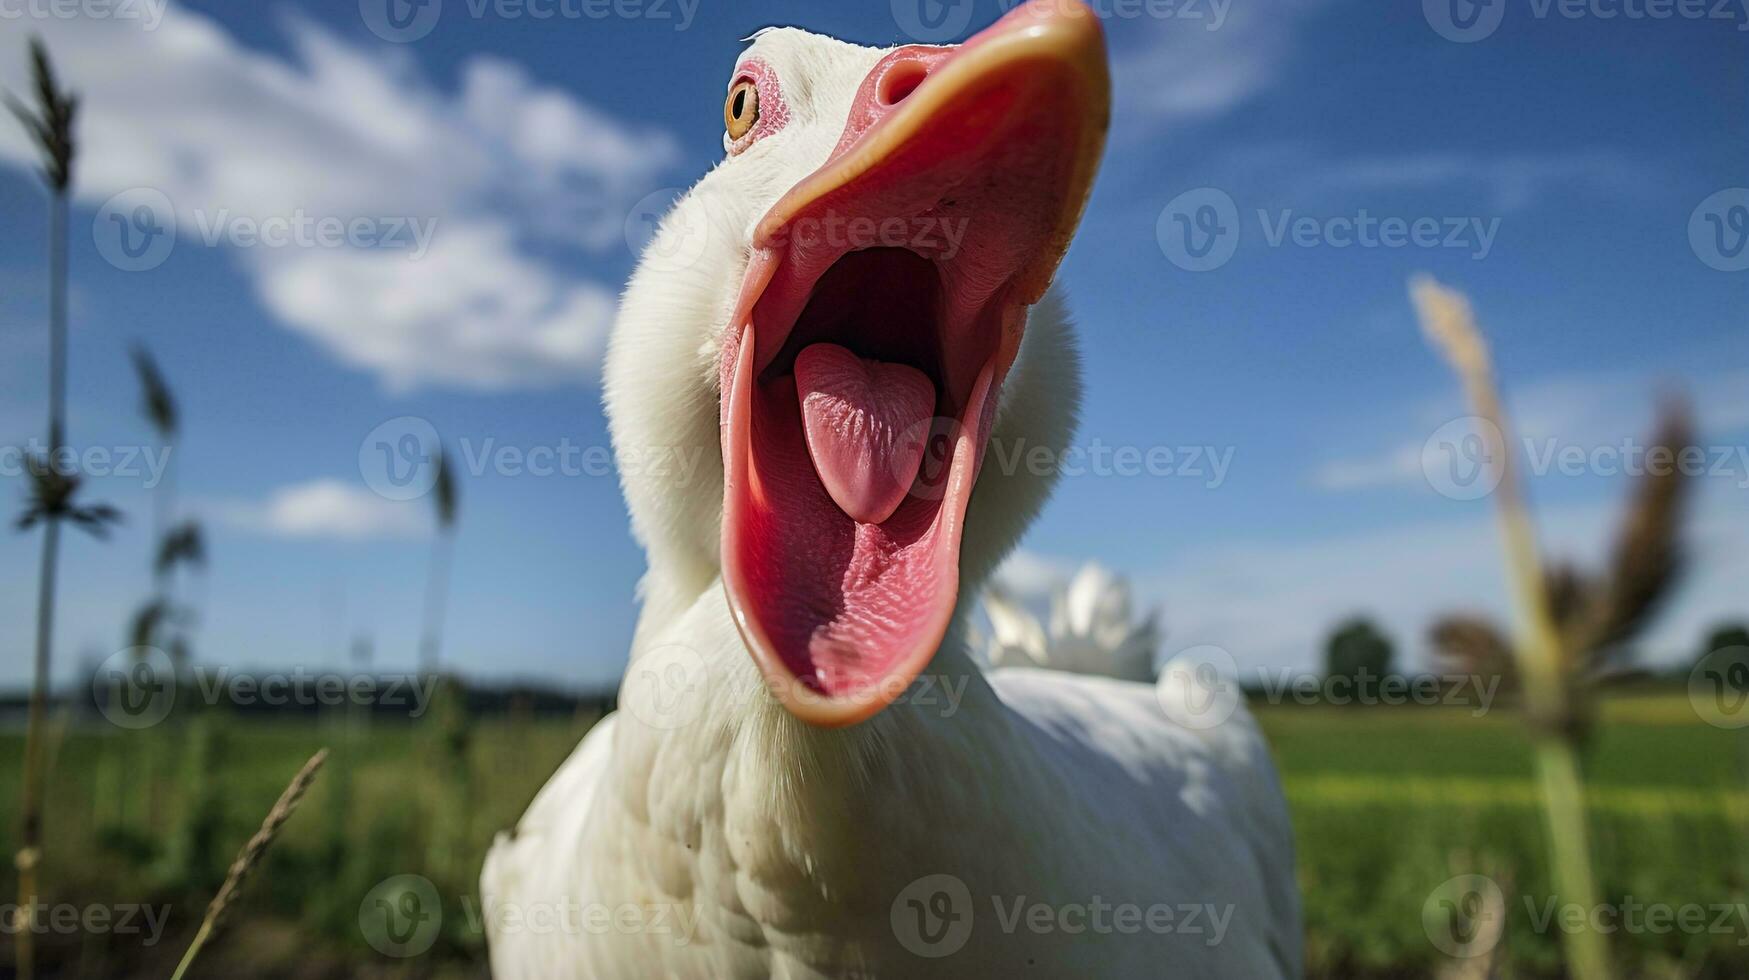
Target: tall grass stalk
[
  {"x": 50, "y": 125},
  {"x": 174, "y": 545},
  {"x": 1450, "y": 326},
  {"x": 159, "y": 404},
  {"x": 249, "y": 857},
  {"x": 445, "y": 503}
]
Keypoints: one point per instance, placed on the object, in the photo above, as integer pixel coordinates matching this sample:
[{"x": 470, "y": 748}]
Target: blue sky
[{"x": 1571, "y": 150}]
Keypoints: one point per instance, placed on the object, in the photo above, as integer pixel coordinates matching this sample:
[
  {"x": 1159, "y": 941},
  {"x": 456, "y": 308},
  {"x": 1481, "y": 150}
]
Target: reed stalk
[
  {"x": 50, "y": 125},
  {"x": 249, "y": 857},
  {"x": 1552, "y": 714}
]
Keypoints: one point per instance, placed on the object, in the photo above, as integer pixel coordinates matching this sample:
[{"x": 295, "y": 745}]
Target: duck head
[{"x": 846, "y": 311}]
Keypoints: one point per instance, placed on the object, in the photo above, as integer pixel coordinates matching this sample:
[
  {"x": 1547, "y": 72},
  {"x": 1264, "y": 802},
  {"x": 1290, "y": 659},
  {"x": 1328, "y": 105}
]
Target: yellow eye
[{"x": 741, "y": 110}]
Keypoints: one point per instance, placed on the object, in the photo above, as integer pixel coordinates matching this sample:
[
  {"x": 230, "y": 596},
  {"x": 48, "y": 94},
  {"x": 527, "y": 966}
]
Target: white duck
[
  {"x": 808, "y": 776},
  {"x": 1091, "y": 629}
]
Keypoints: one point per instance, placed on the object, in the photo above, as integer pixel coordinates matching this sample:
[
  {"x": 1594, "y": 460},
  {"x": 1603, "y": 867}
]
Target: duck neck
[{"x": 795, "y": 799}]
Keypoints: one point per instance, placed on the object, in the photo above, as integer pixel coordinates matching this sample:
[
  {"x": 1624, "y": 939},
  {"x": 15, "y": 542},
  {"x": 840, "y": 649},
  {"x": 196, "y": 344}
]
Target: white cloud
[
  {"x": 1312, "y": 176},
  {"x": 1511, "y": 180},
  {"x": 327, "y": 509},
  {"x": 510, "y": 173},
  {"x": 1590, "y": 411},
  {"x": 470, "y": 312},
  {"x": 1030, "y": 575},
  {"x": 1190, "y": 68},
  {"x": 1271, "y": 605},
  {"x": 1397, "y": 467}
]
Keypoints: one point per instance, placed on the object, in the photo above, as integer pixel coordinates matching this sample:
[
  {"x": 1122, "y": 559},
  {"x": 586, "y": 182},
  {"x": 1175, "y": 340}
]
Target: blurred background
[{"x": 340, "y": 278}]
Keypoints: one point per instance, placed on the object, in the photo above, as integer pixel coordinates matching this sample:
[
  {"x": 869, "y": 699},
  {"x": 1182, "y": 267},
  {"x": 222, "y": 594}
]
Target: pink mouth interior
[
  {"x": 883, "y": 315},
  {"x": 858, "y": 406}
]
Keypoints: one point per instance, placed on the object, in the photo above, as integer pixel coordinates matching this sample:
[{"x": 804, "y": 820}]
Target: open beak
[{"x": 881, "y": 311}]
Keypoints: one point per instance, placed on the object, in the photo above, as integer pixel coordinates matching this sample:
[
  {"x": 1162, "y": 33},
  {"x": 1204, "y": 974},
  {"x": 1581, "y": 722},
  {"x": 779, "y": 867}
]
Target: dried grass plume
[{"x": 250, "y": 856}]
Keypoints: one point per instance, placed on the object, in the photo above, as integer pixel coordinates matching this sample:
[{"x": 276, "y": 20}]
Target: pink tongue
[{"x": 864, "y": 422}]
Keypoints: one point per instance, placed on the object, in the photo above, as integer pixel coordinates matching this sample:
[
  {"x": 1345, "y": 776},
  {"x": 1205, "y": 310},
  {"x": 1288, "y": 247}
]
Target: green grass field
[{"x": 1388, "y": 804}]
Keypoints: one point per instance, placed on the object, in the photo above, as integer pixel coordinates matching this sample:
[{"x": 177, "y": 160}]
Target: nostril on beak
[{"x": 901, "y": 80}]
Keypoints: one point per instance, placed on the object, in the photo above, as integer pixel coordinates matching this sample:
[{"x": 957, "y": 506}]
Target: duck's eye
[{"x": 741, "y": 109}]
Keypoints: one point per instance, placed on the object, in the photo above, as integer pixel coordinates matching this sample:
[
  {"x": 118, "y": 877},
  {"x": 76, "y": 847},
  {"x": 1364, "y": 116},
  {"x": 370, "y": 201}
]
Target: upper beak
[{"x": 1042, "y": 63}]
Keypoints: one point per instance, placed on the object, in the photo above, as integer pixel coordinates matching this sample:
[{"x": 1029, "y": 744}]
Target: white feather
[{"x": 1091, "y": 630}]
